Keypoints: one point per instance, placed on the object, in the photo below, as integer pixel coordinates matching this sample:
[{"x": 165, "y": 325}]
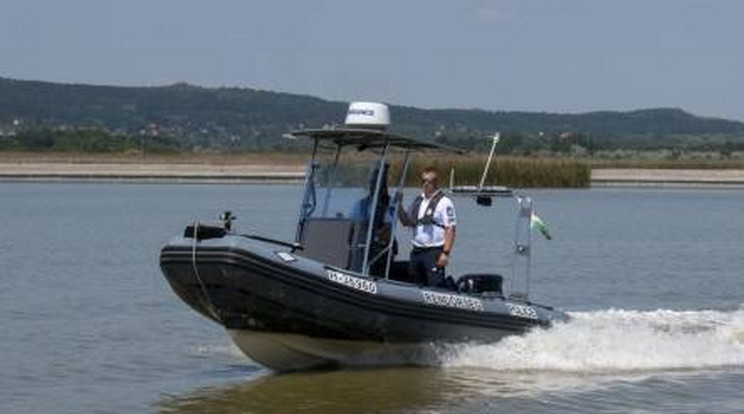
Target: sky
[{"x": 565, "y": 56}]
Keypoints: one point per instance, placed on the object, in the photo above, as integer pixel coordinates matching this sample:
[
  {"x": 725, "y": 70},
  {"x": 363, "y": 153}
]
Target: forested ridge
[{"x": 45, "y": 115}]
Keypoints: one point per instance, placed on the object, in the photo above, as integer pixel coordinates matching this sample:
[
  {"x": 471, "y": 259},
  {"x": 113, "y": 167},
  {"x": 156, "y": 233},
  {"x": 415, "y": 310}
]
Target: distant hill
[{"x": 254, "y": 119}]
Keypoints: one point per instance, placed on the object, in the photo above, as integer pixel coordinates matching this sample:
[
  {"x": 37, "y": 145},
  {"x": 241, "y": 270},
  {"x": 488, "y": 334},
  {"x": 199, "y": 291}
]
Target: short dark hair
[{"x": 430, "y": 169}]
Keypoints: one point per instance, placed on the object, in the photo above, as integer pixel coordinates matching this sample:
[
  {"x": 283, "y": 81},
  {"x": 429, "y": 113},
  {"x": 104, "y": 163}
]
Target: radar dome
[{"x": 368, "y": 115}]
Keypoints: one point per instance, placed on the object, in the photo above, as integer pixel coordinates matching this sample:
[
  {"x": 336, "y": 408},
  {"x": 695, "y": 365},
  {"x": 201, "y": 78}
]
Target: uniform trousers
[{"x": 423, "y": 266}]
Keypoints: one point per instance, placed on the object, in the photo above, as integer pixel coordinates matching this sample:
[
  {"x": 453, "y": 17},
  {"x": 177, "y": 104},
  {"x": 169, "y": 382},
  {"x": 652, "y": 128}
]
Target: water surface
[{"x": 652, "y": 277}]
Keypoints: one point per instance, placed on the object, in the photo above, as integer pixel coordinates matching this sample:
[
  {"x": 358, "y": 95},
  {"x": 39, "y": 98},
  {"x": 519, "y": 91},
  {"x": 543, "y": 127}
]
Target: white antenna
[
  {"x": 482, "y": 193},
  {"x": 496, "y": 138}
]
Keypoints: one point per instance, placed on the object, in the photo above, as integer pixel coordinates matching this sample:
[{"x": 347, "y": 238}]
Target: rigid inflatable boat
[{"x": 337, "y": 294}]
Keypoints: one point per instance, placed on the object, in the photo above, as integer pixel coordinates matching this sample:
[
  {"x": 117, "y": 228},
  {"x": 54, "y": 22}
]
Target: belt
[{"x": 417, "y": 249}]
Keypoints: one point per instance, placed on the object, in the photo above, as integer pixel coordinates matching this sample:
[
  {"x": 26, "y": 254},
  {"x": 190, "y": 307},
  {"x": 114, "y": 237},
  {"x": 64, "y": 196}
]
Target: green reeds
[{"x": 505, "y": 171}]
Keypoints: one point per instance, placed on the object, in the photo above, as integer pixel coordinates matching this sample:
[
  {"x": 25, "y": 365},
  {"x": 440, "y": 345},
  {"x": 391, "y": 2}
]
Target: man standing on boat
[
  {"x": 432, "y": 218},
  {"x": 383, "y": 217}
]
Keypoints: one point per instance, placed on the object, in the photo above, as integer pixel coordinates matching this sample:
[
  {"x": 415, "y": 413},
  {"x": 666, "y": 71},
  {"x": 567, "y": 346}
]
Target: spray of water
[
  {"x": 616, "y": 341},
  {"x": 227, "y": 349}
]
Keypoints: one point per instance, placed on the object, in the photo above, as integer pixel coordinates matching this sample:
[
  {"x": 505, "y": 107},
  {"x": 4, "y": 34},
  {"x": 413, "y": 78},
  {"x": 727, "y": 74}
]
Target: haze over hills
[{"x": 253, "y": 119}]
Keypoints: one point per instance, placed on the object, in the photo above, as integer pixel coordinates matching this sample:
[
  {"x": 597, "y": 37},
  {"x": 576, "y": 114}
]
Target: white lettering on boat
[
  {"x": 286, "y": 257},
  {"x": 522, "y": 311},
  {"x": 352, "y": 281},
  {"x": 365, "y": 112},
  {"x": 452, "y": 301}
]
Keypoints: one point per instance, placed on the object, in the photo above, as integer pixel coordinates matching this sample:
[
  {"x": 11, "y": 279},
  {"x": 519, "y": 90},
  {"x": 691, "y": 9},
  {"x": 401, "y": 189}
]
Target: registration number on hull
[
  {"x": 452, "y": 301},
  {"x": 521, "y": 311},
  {"x": 352, "y": 281}
]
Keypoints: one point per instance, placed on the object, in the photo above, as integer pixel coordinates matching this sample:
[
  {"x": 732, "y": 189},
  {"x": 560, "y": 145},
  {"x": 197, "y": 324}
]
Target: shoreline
[
  {"x": 645, "y": 177},
  {"x": 152, "y": 172},
  {"x": 289, "y": 172}
]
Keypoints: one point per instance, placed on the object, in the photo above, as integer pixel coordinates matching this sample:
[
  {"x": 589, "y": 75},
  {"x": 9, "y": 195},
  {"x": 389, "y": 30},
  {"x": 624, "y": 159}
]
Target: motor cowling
[{"x": 481, "y": 284}]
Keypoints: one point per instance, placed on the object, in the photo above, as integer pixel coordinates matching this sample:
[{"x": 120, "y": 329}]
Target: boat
[{"x": 337, "y": 294}]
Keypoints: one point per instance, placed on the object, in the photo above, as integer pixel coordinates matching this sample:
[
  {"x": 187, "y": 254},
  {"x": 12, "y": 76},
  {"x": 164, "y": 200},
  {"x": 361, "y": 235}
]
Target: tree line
[
  {"x": 83, "y": 140},
  {"x": 44, "y": 116}
]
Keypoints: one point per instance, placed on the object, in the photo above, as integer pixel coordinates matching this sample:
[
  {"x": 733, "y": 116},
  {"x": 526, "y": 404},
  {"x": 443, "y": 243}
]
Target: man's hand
[
  {"x": 398, "y": 198},
  {"x": 443, "y": 260},
  {"x": 383, "y": 234}
]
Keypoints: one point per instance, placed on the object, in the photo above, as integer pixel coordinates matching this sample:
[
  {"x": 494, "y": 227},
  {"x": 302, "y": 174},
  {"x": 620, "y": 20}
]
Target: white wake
[{"x": 617, "y": 340}]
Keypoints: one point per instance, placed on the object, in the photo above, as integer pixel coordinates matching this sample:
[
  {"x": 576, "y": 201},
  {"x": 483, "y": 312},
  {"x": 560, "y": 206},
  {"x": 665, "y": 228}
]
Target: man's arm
[
  {"x": 450, "y": 221},
  {"x": 449, "y": 239},
  {"x": 403, "y": 216},
  {"x": 449, "y": 242}
]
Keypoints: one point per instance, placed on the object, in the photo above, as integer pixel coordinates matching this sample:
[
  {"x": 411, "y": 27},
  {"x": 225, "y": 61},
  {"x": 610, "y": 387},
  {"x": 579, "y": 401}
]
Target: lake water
[{"x": 653, "y": 278}]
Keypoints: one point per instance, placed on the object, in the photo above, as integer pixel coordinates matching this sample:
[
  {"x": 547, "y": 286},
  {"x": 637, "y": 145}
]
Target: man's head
[
  {"x": 373, "y": 179},
  {"x": 428, "y": 179}
]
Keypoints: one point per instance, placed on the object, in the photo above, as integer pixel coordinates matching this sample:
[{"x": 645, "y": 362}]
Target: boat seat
[
  {"x": 326, "y": 239},
  {"x": 399, "y": 270}
]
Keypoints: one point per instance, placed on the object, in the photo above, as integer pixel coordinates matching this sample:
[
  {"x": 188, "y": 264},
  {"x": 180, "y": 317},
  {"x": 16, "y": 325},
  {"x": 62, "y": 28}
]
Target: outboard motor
[{"x": 480, "y": 284}]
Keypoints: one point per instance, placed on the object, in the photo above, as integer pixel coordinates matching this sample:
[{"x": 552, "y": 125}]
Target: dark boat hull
[{"x": 288, "y": 312}]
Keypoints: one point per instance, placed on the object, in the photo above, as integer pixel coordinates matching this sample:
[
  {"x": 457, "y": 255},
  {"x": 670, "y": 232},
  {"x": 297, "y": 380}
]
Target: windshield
[
  {"x": 344, "y": 186},
  {"x": 347, "y": 216},
  {"x": 339, "y": 188}
]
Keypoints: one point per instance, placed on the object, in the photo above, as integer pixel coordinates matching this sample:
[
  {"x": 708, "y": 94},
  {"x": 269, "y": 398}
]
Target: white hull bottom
[{"x": 291, "y": 352}]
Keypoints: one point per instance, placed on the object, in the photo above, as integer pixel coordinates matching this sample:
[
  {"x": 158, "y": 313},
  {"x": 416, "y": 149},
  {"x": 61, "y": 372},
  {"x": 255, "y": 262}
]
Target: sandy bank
[
  {"x": 131, "y": 171},
  {"x": 291, "y": 170},
  {"x": 667, "y": 177}
]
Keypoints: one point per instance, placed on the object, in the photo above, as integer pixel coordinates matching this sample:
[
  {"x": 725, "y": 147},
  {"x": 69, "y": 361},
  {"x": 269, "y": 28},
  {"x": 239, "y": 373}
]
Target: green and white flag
[{"x": 537, "y": 222}]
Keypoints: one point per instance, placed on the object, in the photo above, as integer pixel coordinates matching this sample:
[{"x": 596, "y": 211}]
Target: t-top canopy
[{"x": 369, "y": 138}]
